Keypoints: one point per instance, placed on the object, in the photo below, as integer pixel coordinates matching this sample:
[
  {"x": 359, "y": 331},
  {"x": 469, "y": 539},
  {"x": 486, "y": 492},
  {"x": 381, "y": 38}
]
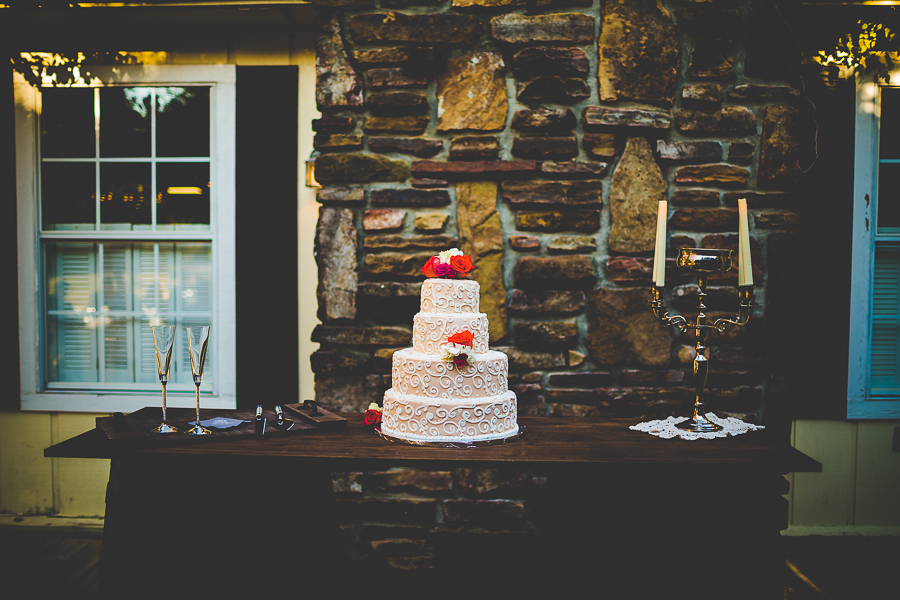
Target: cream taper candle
[
  {"x": 745, "y": 269},
  {"x": 659, "y": 255}
]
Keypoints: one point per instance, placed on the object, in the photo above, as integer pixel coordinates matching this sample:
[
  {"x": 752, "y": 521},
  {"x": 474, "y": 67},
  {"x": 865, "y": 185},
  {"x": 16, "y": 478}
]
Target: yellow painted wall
[
  {"x": 276, "y": 49},
  {"x": 33, "y": 485}
]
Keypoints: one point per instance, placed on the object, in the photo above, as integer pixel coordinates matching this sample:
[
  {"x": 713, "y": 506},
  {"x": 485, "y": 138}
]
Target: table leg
[
  {"x": 189, "y": 526},
  {"x": 620, "y": 533}
]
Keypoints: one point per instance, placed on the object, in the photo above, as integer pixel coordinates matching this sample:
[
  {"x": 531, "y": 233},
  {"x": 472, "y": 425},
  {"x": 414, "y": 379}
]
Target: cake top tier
[{"x": 450, "y": 296}]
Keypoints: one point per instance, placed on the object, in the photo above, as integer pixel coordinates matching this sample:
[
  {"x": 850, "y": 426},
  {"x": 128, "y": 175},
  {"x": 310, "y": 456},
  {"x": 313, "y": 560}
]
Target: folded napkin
[{"x": 220, "y": 423}]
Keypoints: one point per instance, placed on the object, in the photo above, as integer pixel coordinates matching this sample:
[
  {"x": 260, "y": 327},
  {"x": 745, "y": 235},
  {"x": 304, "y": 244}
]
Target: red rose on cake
[
  {"x": 463, "y": 338},
  {"x": 448, "y": 264},
  {"x": 444, "y": 270},
  {"x": 428, "y": 270},
  {"x": 462, "y": 264},
  {"x": 456, "y": 350},
  {"x": 373, "y": 415}
]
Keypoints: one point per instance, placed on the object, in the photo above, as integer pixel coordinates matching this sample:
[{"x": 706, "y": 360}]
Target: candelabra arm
[
  {"x": 745, "y": 296},
  {"x": 657, "y": 303}
]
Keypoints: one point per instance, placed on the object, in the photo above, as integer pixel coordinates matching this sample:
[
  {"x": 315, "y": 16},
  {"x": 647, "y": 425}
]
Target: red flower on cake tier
[
  {"x": 448, "y": 264},
  {"x": 372, "y": 416},
  {"x": 463, "y": 338},
  {"x": 457, "y": 348}
]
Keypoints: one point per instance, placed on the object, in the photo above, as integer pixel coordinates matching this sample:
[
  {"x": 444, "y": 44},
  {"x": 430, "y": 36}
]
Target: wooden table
[{"x": 627, "y": 515}]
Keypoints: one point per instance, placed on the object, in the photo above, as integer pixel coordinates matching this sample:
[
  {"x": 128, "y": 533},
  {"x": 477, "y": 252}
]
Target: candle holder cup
[{"x": 704, "y": 262}]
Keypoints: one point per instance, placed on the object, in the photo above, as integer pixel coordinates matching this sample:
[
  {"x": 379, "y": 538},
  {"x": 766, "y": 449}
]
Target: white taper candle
[
  {"x": 745, "y": 269},
  {"x": 659, "y": 255}
]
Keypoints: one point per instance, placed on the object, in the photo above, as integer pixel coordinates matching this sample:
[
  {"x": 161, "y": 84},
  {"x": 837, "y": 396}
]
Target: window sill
[
  {"x": 117, "y": 402},
  {"x": 873, "y": 409}
]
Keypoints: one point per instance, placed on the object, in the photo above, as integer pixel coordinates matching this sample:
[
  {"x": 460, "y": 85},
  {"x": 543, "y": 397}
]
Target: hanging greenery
[
  {"x": 866, "y": 50},
  {"x": 64, "y": 68}
]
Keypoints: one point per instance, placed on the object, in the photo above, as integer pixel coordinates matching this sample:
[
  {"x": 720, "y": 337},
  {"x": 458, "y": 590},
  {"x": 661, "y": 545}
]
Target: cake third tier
[{"x": 418, "y": 374}]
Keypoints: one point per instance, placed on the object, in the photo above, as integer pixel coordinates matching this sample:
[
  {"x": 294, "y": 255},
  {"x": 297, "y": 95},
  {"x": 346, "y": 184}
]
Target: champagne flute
[
  {"x": 163, "y": 336},
  {"x": 198, "y": 338}
]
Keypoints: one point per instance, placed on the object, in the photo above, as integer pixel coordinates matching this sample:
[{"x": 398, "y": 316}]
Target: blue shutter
[{"x": 885, "y": 363}]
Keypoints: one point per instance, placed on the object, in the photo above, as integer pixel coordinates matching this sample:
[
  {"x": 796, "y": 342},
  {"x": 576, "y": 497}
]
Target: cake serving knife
[{"x": 282, "y": 423}]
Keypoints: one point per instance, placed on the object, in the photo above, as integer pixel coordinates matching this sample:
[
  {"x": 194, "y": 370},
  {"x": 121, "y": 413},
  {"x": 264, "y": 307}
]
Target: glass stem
[
  {"x": 197, "y": 396},
  {"x": 164, "y": 402}
]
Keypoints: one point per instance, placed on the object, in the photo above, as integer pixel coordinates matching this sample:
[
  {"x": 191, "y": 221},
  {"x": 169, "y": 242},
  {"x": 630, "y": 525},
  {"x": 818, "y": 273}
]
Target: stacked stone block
[
  {"x": 538, "y": 136},
  {"x": 404, "y": 521}
]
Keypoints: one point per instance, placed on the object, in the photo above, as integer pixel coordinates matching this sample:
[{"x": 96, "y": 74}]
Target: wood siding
[{"x": 859, "y": 486}]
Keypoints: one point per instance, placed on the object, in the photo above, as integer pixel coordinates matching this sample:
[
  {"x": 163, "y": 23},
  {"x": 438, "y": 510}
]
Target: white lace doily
[{"x": 667, "y": 428}]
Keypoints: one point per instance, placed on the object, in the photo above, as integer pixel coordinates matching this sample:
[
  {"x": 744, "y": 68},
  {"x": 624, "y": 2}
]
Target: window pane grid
[
  {"x": 153, "y": 195},
  {"x": 104, "y": 287}
]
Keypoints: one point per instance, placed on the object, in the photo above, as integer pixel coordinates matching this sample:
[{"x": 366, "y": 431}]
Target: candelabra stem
[{"x": 698, "y": 421}]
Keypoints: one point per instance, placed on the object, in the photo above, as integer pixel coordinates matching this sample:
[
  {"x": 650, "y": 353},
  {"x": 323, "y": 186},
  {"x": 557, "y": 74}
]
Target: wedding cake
[{"x": 449, "y": 387}]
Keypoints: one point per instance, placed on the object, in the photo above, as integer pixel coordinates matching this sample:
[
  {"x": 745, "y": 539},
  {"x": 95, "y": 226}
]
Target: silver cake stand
[{"x": 475, "y": 444}]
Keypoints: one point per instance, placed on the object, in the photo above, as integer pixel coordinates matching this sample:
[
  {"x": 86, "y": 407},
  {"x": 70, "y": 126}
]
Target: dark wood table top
[{"x": 550, "y": 442}]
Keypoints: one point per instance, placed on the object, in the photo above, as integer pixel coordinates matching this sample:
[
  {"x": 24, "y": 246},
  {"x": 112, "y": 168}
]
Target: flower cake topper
[
  {"x": 457, "y": 348},
  {"x": 448, "y": 264}
]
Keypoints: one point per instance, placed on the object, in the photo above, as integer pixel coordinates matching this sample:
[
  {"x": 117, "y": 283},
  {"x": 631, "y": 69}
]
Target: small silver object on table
[
  {"x": 282, "y": 423},
  {"x": 704, "y": 262},
  {"x": 259, "y": 422}
]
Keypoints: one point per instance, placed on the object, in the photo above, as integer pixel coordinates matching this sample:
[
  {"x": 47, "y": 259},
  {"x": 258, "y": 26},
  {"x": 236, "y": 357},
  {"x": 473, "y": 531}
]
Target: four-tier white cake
[{"x": 433, "y": 397}]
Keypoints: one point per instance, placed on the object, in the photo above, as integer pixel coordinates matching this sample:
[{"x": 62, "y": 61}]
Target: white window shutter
[
  {"x": 153, "y": 264},
  {"x": 117, "y": 330},
  {"x": 193, "y": 300},
  {"x": 76, "y": 343}
]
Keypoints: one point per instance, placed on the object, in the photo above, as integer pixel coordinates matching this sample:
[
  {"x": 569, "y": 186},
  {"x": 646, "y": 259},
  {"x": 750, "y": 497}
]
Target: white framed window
[
  {"x": 125, "y": 209},
  {"x": 874, "y": 369}
]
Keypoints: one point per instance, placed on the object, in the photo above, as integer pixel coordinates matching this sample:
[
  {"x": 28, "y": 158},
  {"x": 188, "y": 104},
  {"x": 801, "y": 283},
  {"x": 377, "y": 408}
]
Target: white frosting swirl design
[
  {"x": 430, "y": 331},
  {"x": 423, "y": 375},
  {"x": 450, "y": 296},
  {"x": 417, "y": 418}
]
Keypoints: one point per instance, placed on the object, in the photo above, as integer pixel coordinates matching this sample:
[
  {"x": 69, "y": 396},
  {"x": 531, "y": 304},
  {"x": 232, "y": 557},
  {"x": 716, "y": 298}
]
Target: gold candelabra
[{"x": 703, "y": 262}]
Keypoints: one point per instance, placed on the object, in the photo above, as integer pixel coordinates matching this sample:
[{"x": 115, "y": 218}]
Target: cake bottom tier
[{"x": 442, "y": 420}]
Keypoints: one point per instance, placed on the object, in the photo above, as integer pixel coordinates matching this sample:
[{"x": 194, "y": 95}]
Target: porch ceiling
[{"x": 143, "y": 26}]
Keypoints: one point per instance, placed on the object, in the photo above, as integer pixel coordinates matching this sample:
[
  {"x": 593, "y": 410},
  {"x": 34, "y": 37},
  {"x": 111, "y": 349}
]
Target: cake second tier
[
  {"x": 431, "y": 330},
  {"x": 423, "y": 375}
]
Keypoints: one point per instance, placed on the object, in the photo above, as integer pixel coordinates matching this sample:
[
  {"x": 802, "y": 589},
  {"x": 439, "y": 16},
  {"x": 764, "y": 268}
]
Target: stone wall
[{"x": 538, "y": 136}]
